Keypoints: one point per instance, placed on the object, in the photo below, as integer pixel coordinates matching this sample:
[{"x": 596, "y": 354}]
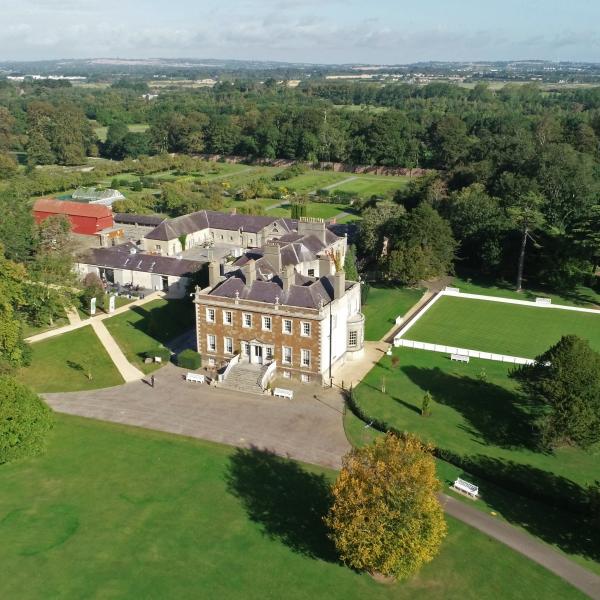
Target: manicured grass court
[
  {"x": 130, "y": 513},
  {"x": 59, "y": 364},
  {"x": 502, "y": 328},
  {"x": 145, "y": 327},
  {"x": 383, "y": 305}
]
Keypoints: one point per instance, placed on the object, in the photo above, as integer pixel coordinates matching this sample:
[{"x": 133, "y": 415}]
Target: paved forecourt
[{"x": 306, "y": 428}]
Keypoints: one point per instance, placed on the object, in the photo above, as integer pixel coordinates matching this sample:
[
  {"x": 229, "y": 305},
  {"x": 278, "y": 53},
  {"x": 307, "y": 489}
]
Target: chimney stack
[
  {"x": 249, "y": 271},
  {"x": 288, "y": 276},
  {"x": 272, "y": 252},
  {"x": 313, "y": 226},
  {"x": 214, "y": 273},
  {"x": 339, "y": 284},
  {"x": 324, "y": 266}
]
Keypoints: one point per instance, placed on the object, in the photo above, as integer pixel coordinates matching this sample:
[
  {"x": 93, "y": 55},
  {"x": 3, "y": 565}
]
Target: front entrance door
[{"x": 257, "y": 354}]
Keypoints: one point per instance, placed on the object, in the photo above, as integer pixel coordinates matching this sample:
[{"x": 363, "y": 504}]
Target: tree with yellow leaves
[{"x": 385, "y": 516}]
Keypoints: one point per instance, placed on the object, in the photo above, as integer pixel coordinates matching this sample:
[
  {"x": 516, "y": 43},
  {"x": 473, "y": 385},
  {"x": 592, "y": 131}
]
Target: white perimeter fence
[{"x": 541, "y": 303}]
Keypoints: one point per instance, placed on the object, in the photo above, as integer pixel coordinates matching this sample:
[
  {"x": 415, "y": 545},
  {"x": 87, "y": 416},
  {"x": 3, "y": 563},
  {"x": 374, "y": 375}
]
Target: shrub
[
  {"x": 163, "y": 353},
  {"x": 25, "y": 421},
  {"x": 189, "y": 359}
]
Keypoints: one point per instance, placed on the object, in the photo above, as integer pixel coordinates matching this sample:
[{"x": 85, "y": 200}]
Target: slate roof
[
  {"x": 306, "y": 292},
  {"x": 203, "y": 219},
  {"x": 295, "y": 249},
  {"x": 120, "y": 257},
  {"x": 133, "y": 219}
]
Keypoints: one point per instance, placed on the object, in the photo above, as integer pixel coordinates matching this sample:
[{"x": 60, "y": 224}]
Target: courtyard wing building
[{"x": 283, "y": 306}]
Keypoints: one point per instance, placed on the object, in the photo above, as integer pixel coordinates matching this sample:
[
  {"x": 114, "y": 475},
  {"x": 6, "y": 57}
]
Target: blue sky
[{"x": 328, "y": 31}]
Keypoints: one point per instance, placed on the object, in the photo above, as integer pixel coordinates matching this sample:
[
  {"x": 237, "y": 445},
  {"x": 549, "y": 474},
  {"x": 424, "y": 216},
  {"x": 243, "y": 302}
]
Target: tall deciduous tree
[
  {"x": 385, "y": 516},
  {"x": 564, "y": 383},
  {"x": 421, "y": 246},
  {"x": 526, "y": 215}
]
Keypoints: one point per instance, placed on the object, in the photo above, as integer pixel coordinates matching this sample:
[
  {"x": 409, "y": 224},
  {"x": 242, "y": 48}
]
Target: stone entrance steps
[{"x": 244, "y": 378}]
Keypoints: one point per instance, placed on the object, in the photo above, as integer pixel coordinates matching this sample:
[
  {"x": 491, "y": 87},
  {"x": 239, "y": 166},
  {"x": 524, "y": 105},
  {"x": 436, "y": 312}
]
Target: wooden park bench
[
  {"x": 195, "y": 377},
  {"x": 283, "y": 393},
  {"x": 460, "y": 485},
  {"x": 460, "y": 357}
]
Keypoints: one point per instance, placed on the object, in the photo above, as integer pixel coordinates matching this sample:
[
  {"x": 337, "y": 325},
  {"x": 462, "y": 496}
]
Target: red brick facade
[{"x": 273, "y": 338}]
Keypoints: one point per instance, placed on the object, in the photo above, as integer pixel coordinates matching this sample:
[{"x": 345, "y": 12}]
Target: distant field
[
  {"x": 312, "y": 180},
  {"x": 373, "y": 185},
  {"x": 503, "y": 328},
  {"x": 318, "y": 210},
  {"x": 101, "y": 132}
]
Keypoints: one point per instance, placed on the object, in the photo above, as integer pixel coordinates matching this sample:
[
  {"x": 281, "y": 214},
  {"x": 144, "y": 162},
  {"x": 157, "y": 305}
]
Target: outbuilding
[{"x": 87, "y": 219}]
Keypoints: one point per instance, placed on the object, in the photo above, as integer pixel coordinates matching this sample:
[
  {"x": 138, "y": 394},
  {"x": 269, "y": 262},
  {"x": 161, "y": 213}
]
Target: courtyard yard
[
  {"x": 502, "y": 328},
  {"x": 63, "y": 363},
  {"x": 130, "y": 513}
]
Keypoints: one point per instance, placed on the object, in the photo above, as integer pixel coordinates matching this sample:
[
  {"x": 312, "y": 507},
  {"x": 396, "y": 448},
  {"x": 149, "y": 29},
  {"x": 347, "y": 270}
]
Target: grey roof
[
  {"x": 306, "y": 292},
  {"x": 133, "y": 219},
  {"x": 295, "y": 249},
  {"x": 121, "y": 257},
  {"x": 203, "y": 219}
]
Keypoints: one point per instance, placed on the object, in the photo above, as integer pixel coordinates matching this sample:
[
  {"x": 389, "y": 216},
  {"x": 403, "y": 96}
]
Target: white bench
[
  {"x": 195, "y": 377},
  {"x": 460, "y": 357},
  {"x": 460, "y": 485},
  {"x": 283, "y": 393},
  {"x": 544, "y": 301},
  {"x": 157, "y": 359}
]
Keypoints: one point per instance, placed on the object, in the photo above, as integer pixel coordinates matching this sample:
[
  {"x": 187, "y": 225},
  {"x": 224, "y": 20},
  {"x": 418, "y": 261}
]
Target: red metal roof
[{"x": 79, "y": 209}]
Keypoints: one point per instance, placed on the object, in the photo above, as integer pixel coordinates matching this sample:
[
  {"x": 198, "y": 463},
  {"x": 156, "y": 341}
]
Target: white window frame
[
  {"x": 211, "y": 347},
  {"x": 305, "y": 358},
  {"x": 228, "y": 345},
  {"x": 287, "y": 375},
  {"x": 351, "y": 335},
  {"x": 284, "y": 360},
  {"x": 267, "y": 320},
  {"x": 269, "y": 351},
  {"x": 283, "y": 330},
  {"x": 225, "y": 321},
  {"x": 304, "y": 378},
  {"x": 303, "y": 325},
  {"x": 245, "y": 317},
  {"x": 211, "y": 315}
]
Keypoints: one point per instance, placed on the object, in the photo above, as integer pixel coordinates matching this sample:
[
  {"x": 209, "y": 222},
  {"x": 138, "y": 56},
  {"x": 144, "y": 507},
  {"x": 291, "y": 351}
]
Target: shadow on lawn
[
  {"x": 495, "y": 415},
  {"x": 166, "y": 322},
  {"x": 287, "y": 501}
]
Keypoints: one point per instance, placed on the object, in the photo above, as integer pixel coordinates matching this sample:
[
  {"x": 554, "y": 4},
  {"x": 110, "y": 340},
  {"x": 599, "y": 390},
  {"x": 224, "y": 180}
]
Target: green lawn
[
  {"x": 485, "y": 420},
  {"x": 144, "y": 327},
  {"x": 383, "y": 305},
  {"x": 369, "y": 185},
  {"x": 130, "y": 513},
  {"x": 503, "y": 328},
  {"x": 311, "y": 181},
  {"x": 59, "y": 364},
  {"x": 580, "y": 296},
  {"x": 319, "y": 210}
]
